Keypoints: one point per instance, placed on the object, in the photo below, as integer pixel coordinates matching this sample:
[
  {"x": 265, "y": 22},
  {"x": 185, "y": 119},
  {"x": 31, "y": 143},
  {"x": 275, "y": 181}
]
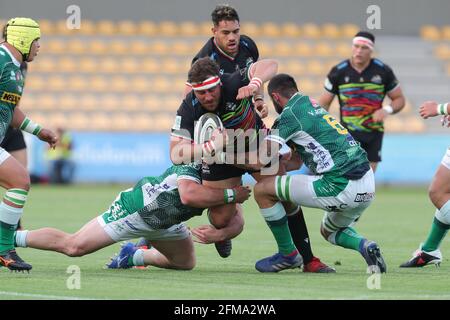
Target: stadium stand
[{"x": 129, "y": 75}]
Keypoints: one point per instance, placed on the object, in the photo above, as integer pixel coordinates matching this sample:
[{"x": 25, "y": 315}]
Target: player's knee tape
[
  {"x": 10, "y": 215},
  {"x": 16, "y": 196},
  {"x": 443, "y": 214}
]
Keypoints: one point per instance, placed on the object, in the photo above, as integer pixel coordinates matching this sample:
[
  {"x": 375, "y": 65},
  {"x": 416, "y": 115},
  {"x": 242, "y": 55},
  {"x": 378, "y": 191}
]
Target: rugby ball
[{"x": 205, "y": 126}]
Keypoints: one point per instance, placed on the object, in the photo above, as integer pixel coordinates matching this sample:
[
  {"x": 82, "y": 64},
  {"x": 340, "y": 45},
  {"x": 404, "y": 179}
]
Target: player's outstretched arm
[
  {"x": 23, "y": 123},
  {"x": 195, "y": 195},
  {"x": 260, "y": 72},
  {"x": 432, "y": 108}
]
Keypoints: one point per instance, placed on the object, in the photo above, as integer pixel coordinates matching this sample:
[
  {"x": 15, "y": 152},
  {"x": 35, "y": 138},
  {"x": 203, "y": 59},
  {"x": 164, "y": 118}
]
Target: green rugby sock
[
  {"x": 435, "y": 236},
  {"x": 277, "y": 221},
  {"x": 349, "y": 238}
]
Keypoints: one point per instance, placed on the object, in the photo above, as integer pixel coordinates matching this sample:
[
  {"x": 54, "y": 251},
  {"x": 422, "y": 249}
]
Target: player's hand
[
  {"x": 379, "y": 115},
  {"x": 219, "y": 138},
  {"x": 246, "y": 91},
  {"x": 242, "y": 194},
  {"x": 207, "y": 234},
  {"x": 262, "y": 108},
  {"x": 48, "y": 136},
  {"x": 428, "y": 109}
]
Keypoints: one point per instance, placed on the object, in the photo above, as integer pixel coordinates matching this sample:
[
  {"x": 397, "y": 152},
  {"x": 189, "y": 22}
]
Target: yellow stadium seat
[
  {"x": 35, "y": 83},
  {"x": 55, "y": 46},
  {"x": 88, "y": 102},
  {"x": 147, "y": 28},
  {"x": 121, "y": 121},
  {"x": 106, "y": 28},
  {"x": 316, "y": 68},
  {"x": 100, "y": 121},
  {"x": 127, "y": 28},
  {"x": 77, "y": 47},
  {"x": 142, "y": 121},
  {"x": 118, "y": 47},
  {"x": 250, "y": 29},
  {"x": 140, "y": 84},
  {"x": 307, "y": 86},
  {"x": 189, "y": 29},
  {"x": 159, "y": 47},
  {"x": 170, "y": 66},
  {"x": 349, "y": 30},
  {"x": 172, "y": 102},
  {"x": 67, "y": 65},
  {"x": 330, "y": 30},
  {"x": 303, "y": 49},
  {"x": 163, "y": 122},
  {"x": 98, "y": 84},
  {"x": 139, "y": 47},
  {"x": 182, "y": 48},
  {"x": 197, "y": 45},
  {"x": 109, "y": 65},
  {"x": 311, "y": 31},
  {"x": 47, "y": 27},
  {"x": 78, "y": 83},
  {"x": 109, "y": 102},
  {"x": 56, "y": 120},
  {"x": 152, "y": 103},
  {"x": 179, "y": 83},
  {"x": 415, "y": 124},
  {"x": 265, "y": 49},
  {"x": 119, "y": 84},
  {"x": 97, "y": 47},
  {"x": 80, "y": 121},
  {"x": 323, "y": 49},
  {"x": 129, "y": 65},
  {"x": 270, "y": 29},
  {"x": 442, "y": 51},
  {"x": 88, "y": 27},
  {"x": 430, "y": 32},
  {"x": 150, "y": 65},
  {"x": 290, "y": 30},
  {"x": 162, "y": 85},
  {"x": 283, "y": 49},
  {"x": 61, "y": 28},
  {"x": 205, "y": 29},
  {"x": 445, "y": 32},
  {"x": 67, "y": 102},
  {"x": 43, "y": 64},
  {"x": 57, "y": 83},
  {"x": 27, "y": 102},
  {"x": 88, "y": 65},
  {"x": 130, "y": 102},
  {"x": 294, "y": 67},
  {"x": 168, "y": 29},
  {"x": 448, "y": 69},
  {"x": 343, "y": 49},
  {"x": 47, "y": 101}
]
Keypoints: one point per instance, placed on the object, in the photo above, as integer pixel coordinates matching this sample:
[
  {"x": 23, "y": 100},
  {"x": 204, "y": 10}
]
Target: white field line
[{"x": 43, "y": 296}]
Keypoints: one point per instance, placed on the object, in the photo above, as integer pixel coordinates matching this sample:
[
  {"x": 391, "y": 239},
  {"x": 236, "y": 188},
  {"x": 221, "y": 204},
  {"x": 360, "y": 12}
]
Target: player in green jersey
[
  {"x": 155, "y": 209},
  {"x": 21, "y": 44},
  {"x": 342, "y": 183}
]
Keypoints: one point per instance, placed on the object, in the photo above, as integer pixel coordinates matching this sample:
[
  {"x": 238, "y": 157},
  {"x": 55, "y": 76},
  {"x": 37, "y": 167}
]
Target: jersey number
[{"x": 335, "y": 124}]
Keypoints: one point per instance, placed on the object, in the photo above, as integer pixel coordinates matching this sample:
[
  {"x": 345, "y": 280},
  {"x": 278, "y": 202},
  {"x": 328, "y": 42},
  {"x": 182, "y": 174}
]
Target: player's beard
[{"x": 278, "y": 107}]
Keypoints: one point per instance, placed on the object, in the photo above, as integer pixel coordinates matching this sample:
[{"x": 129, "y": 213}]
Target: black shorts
[
  {"x": 371, "y": 142},
  {"x": 13, "y": 140},
  {"x": 217, "y": 172}
]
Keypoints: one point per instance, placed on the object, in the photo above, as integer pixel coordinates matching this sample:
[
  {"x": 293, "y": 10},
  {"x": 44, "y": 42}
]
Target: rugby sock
[
  {"x": 9, "y": 217},
  {"x": 348, "y": 238},
  {"x": 20, "y": 238},
  {"x": 439, "y": 228},
  {"x": 138, "y": 258},
  {"x": 299, "y": 233},
  {"x": 277, "y": 221}
]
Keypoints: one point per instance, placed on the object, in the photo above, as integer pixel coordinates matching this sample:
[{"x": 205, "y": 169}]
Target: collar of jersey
[
  {"x": 291, "y": 101},
  {"x": 223, "y": 52},
  {"x": 11, "y": 55}
]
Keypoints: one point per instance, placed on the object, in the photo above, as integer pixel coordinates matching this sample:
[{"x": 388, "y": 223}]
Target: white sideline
[{"x": 42, "y": 296}]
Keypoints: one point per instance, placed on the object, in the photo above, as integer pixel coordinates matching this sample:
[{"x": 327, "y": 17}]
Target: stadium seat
[
  {"x": 76, "y": 46},
  {"x": 349, "y": 30},
  {"x": 119, "y": 84},
  {"x": 152, "y": 103},
  {"x": 250, "y": 29},
  {"x": 270, "y": 29},
  {"x": 150, "y": 65},
  {"x": 311, "y": 31},
  {"x": 118, "y": 47},
  {"x": 429, "y": 32},
  {"x": 98, "y": 47},
  {"x": 445, "y": 31},
  {"x": 80, "y": 121},
  {"x": 35, "y": 83},
  {"x": 88, "y": 102},
  {"x": 283, "y": 49},
  {"x": 170, "y": 66},
  {"x": 121, "y": 121},
  {"x": 448, "y": 69},
  {"x": 163, "y": 122},
  {"x": 265, "y": 49},
  {"x": 100, "y": 121},
  {"x": 130, "y": 65},
  {"x": 147, "y": 28},
  {"x": 172, "y": 102},
  {"x": 56, "y": 83},
  {"x": 323, "y": 49},
  {"x": 307, "y": 86},
  {"x": 43, "y": 64},
  {"x": 189, "y": 29},
  {"x": 38, "y": 117},
  {"x": 61, "y": 28},
  {"x": 140, "y": 84},
  {"x": 47, "y": 27},
  {"x": 159, "y": 47},
  {"x": 67, "y": 65},
  {"x": 88, "y": 65},
  {"x": 196, "y": 46},
  {"x": 67, "y": 102},
  {"x": 109, "y": 65},
  {"x": 78, "y": 83},
  {"x": 182, "y": 48},
  {"x": 106, "y": 28},
  {"x": 316, "y": 68},
  {"x": 330, "y": 30},
  {"x": 162, "y": 85},
  {"x": 442, "y": 51},
  {"x": 293, "y": 67},
  {"x": 343, "y": 49},
  {"x": 27, "y": 102},
  {"x": 127, "y": 28},
  {"x": 56, "y": 120},
  {"x": 205, "y": 29},
  {"x": 108, "y": 102},
  {"x": 168, "y": 29},
  {"x": 139, "y": 47},
  {"x": 46, "y": 102},
  {"x": 87, "y": 28},
  {"x": 130, "y": 102},
  {"x": 54, "y": 46},
  {"x": 99, "y": 84},
  {"x": 303, "y": 49},
  {"x": 290, "y": 30},
  {"x": 142, "y": 121}
]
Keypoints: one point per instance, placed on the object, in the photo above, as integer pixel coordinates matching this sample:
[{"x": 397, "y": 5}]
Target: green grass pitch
[{"x": 398, "y": 220}]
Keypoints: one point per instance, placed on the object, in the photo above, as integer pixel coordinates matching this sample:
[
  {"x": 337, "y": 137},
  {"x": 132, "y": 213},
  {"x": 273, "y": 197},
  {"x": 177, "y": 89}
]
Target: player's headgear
[
  {"x": 20, "y": 33},
  {"x": 366, "y": 38}
]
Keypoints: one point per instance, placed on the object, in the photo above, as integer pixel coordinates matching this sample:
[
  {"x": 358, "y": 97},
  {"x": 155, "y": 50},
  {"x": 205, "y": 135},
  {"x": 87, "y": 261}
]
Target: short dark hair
[
  {"x": 224, "y": 12},
  {"x": 283, "y": 84},
  {"x": 366, "y": 34},
  {"x": 202, "y": 69}
]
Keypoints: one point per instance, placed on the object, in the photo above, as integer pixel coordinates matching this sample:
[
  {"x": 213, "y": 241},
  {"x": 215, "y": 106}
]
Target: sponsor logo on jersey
[
  {"x": 347, "y": 79},
  {"x": 10, "y": 97},
  {"x": 177, "y": 124},
  {"x": 364, "y": 197},
  {"x": 328, "y": 84},
  {"x": 376, "y": 79},
  {"x": 230, "y": 106}
]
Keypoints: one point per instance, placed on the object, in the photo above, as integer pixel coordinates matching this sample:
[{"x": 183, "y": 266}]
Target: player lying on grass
[
  {"x": 155, "y": 209},
  {"x": 439, "y": 192},
  {"x": 342, "y": 183}
]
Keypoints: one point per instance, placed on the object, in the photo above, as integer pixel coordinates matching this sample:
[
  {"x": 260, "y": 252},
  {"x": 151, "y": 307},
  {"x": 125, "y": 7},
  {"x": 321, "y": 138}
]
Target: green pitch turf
[{"x": 398, "y": 220}]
